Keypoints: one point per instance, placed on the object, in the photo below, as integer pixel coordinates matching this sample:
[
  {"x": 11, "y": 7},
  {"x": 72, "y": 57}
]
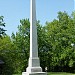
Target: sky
[{"x": 46, "y": 10}]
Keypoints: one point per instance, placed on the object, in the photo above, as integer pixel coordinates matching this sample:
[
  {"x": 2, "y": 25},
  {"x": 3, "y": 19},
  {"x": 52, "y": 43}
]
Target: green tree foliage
[
  {"x": 61, "y": 33},
  {"x": 73, "y": 16},
  {"x": 21, "y": 41},
  {"x": 2, "y": 24},
  {"x": 55, "y": 45},
  {"x": 7, "y": 55}
]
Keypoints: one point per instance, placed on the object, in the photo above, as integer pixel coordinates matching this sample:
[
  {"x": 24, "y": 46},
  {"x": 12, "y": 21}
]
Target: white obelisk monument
[{"x": 34, "y": 63}]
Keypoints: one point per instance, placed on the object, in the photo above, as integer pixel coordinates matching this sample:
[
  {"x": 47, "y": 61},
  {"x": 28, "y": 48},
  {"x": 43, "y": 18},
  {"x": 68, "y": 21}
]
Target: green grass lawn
[
  {"x": 59, "y": 73},
  {"x": 54, "y": 73}
]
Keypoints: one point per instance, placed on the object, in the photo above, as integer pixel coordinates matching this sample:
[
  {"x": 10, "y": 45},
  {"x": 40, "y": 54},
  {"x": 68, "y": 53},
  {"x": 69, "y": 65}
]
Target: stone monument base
[
  {"x": 34, "y": 73},
  {"x": 33, "y": 69}
]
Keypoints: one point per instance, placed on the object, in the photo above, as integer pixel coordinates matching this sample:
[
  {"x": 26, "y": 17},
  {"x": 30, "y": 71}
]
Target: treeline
[{"x": 56, "y": 45}]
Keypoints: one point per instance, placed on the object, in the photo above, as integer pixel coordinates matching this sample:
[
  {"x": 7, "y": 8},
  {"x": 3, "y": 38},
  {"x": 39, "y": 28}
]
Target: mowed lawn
[
  {"x": 54, "y": 73},
  {"x": 60, "y": 73}
]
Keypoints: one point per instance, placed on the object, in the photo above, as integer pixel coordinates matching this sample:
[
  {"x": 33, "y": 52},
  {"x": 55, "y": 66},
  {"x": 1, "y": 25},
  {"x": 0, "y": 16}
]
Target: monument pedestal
[
  {"x": 34, "y": 73},
  {"x": 34, "y": 67}
]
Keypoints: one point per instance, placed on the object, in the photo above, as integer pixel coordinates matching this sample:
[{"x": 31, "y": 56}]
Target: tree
[
  {"x": 7, "y": 55},
  {"x": 54, "y": 44},
  {"x": 73, "y": 16},
  {"x": 2, "y": 24},
  {"x": 60, "y": 35},
  {"x": 21, "y": 41}
]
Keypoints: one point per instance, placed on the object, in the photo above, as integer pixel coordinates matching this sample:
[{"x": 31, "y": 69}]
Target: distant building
[
  {"x": 1, "y": 66},
  {"x": 1, "y": 62}
]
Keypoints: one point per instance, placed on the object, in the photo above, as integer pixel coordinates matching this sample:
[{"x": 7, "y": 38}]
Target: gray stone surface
[
  {"x": 33, "y": 30},
  {"x": 33, "y": 69},
  {"x": 36, "y": 73},
  {"x": 34, "y": 62}
]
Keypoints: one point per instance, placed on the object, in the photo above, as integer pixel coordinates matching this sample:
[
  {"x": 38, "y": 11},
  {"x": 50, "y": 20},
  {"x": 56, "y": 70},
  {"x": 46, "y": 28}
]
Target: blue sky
[{"x": 46, "y": 10}]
